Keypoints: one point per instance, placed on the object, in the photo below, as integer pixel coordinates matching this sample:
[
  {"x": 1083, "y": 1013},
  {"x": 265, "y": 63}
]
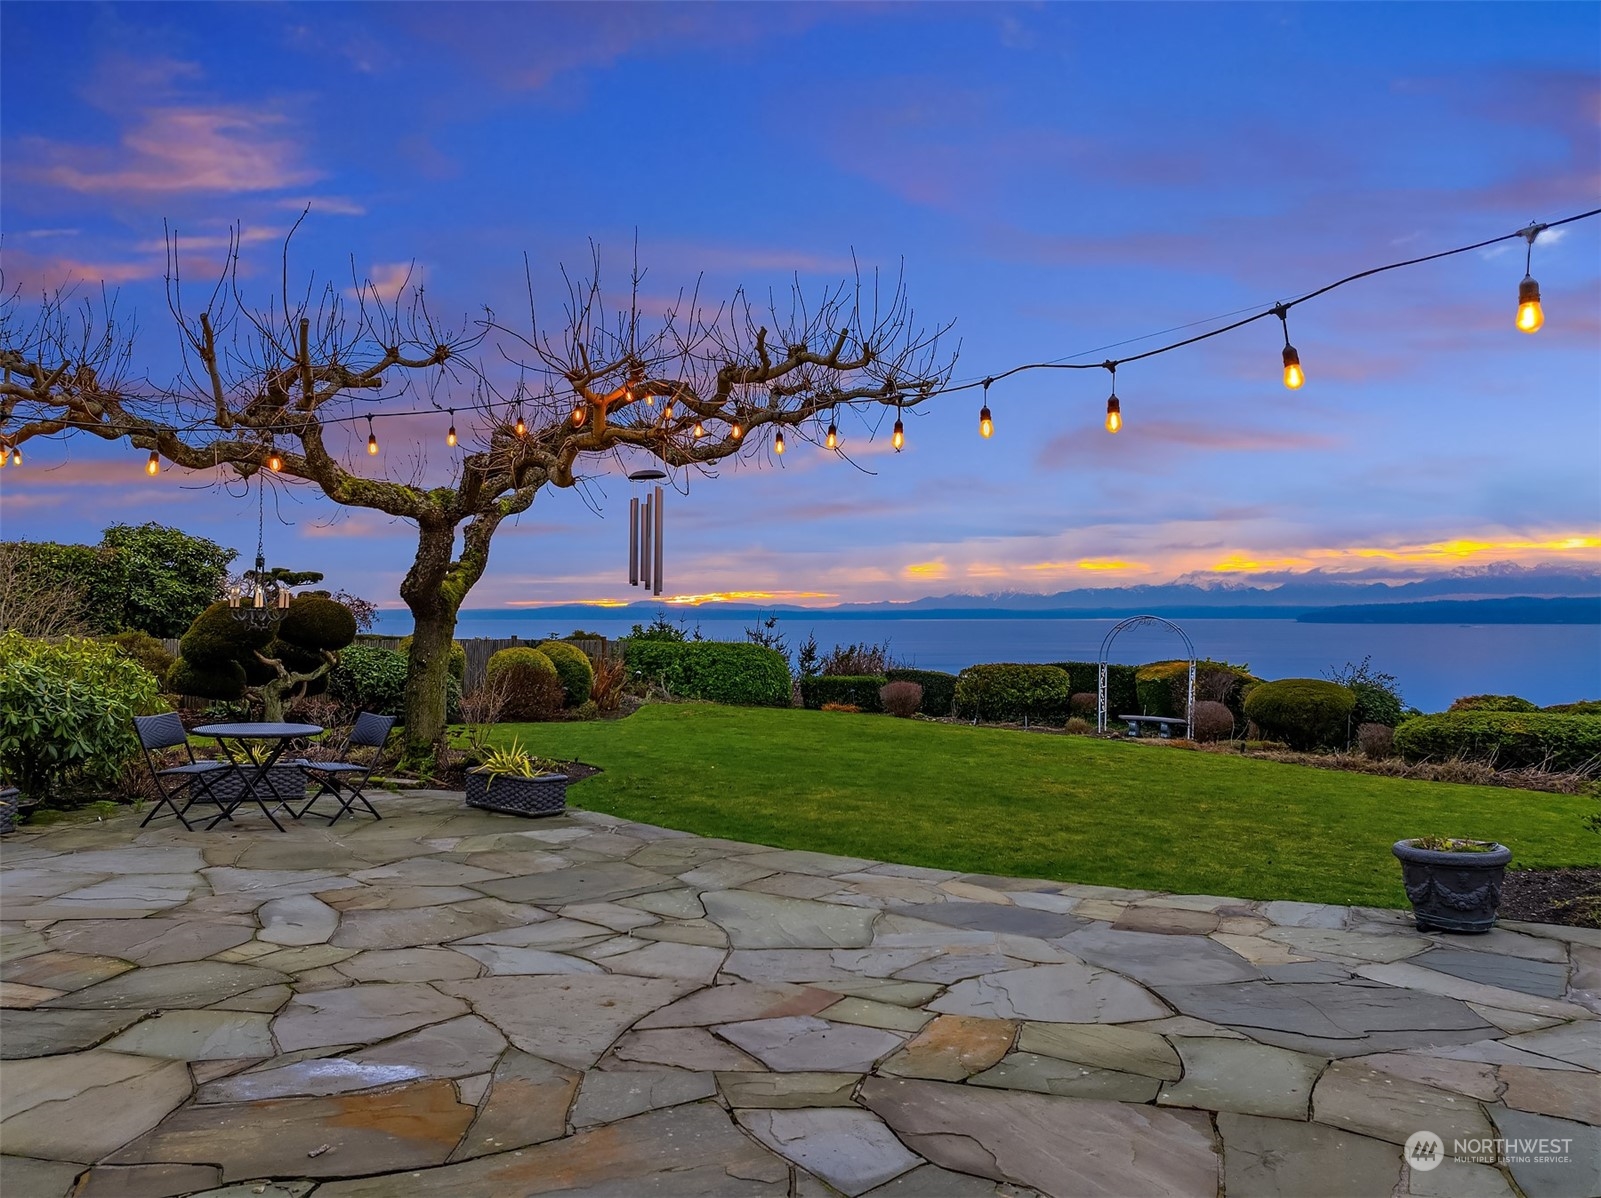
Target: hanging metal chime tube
[
  {"x": 659, "y": 512},
  {"x": 633, "y": 541},
  {"x": 644, "y": 546}
]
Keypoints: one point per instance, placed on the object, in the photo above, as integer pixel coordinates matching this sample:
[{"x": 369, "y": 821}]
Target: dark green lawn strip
[{"x": 1073, "y": 809}]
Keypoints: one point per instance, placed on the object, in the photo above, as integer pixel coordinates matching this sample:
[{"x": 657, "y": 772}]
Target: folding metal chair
[
  {"x": 344, "y": 779},
  {"x": 190, "y": 780}
]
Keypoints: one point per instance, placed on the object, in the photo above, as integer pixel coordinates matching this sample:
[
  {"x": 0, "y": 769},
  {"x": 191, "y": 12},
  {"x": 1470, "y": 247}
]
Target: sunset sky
[{"x": 1056, "y": 178}]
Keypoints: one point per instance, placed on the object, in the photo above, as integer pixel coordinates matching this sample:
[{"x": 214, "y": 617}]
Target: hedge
[
  {"x": 1509, "y": 739},
  {"x": 1305, "y": 713},
  {"x": 856, "y": 690},
  {"x": 718, "y": 671},
  {"x": 1161, "y": 686},
  {"x": 1122, "y": 696},
  {"x": 939, "y": 689},
  {"x": 1493, "y": 703},
  {"x": 1009, "y": 691}
]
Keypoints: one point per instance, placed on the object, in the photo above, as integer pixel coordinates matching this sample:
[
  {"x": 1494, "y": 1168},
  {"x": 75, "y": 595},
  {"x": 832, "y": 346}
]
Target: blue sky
[{"x": 1056, "y": 178}]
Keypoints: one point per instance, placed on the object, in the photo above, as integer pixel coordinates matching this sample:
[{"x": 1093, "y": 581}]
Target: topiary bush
[
  {"x": 1213, "y": 721},
  {"x": 736, "y": 673},
  {"x": 457, "y": 665},
  {"x": 1492, "y": 703},
  {"x": 939, "y": 688},
  {"x": 1305, "y": 713},
  {"x": 528, "y": 675},
  {"x": 66, "y": 713},
  {"x": 860, "y": 691},
  {"x": 1506, "y": 739},
  {"x": 572, "y": 667},
  {"x": 315, "y": 622},
  {"x": 901, "y": 699},
  {"x": 1010, "y": 692}
]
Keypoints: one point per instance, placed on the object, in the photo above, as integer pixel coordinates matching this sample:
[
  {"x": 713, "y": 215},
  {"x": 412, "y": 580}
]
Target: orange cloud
[
  {"x": 745, "y": 597},
  {"x": 928, "y": 571},
  {"x": 1105, "y": 564},
  {"x": 1445, "y": 553}
]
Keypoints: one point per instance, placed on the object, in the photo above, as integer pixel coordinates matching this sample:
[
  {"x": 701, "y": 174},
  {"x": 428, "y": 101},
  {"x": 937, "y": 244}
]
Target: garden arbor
[
  {"x": 263, "y": 386},
  {"x": 1106, "y": 648}
]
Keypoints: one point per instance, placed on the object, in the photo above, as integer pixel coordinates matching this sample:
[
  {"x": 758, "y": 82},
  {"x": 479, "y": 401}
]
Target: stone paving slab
[{"x": 454, "y": 1002}]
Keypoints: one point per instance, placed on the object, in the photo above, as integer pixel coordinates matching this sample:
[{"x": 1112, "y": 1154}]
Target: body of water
[{"x": 1435, "y": 663}]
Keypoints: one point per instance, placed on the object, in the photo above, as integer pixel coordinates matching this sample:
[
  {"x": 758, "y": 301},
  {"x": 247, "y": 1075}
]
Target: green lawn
[{"x": 1070, "y": 808}]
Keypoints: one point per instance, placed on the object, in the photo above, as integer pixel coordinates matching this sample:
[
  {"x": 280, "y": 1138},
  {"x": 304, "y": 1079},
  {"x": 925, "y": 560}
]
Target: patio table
[{"x": 254, "y": 776}]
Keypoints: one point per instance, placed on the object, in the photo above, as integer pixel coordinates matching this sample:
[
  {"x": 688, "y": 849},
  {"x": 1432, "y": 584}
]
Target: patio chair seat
[
  {"x": 194, "y": 767},
  {"x": 330, "y": 767}
]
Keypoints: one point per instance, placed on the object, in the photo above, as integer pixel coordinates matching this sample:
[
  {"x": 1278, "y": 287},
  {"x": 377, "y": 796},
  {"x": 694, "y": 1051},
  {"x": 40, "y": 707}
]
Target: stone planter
[
  {"x": 1452, "y": 892},
  {"x": 544, "y": 795},
  {"x": 9, "y": 797}
]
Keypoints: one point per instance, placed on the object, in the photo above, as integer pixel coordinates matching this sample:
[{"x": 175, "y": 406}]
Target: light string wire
[{"x": 1279, "y": 310}]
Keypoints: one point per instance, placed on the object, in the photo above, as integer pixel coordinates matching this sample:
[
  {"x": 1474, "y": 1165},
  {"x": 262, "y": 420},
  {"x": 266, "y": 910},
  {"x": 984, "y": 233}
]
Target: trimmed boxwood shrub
[
  {"x": 1305, "y": 713},
  {"x": 1508, "y": 739},
  {"x": 528, "y": 675},
  {"x": 1213, "y": 720},
  {"x": 860, "y": 691},
  {"x": 1122, "y": 696},
  {"x": 1492, "y": 703},
  {"x": 572, "y": 667},
  {"x": 939, "y": 689},
  {"x": 457, "y": 665},
  {"x": 731, "y": 672},
  {"x": 1009, "y": 692},
  {"x": 1162, "y": 686},
  {"x": 370, "y": 679}
]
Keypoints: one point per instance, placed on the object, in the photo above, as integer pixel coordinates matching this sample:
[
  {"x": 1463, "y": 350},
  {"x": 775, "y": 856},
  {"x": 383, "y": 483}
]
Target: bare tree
[
  {"x": 32, "y": 606},
  {"x": 266, "y": 384}
]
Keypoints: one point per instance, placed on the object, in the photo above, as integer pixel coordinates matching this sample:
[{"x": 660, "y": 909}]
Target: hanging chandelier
[{"x": 262, "y": 600}]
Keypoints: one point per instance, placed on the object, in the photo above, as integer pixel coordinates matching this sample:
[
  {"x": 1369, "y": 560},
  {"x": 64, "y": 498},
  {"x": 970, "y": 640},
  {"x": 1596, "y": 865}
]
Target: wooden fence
[{"x": 479, "y": 650}]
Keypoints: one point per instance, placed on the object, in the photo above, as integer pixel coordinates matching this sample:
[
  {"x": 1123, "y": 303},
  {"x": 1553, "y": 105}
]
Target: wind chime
[{"x": 645, "y": 532}]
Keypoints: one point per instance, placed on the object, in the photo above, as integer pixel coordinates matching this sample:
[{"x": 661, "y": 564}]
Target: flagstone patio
[{"x": 451, "y": 1002}]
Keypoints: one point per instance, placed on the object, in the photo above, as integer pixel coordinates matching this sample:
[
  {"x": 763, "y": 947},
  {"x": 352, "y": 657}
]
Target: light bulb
[
  {"x": 735, "y": 431},
  {"x": 1530, "y": 317},
  {"x": 986, "y": 426},
  {"x": 580, "y": 414},
  {"x": 274, "y": 461},
  {"x": 153, "y": 466},
  {"x": 1294, "y": 376},
  {"x": 16, "y": 455},
  {"x": 667, "y": 412},
  {"x": 650, "y": 401},
  {"x": 450, "y": 437},
  {"x": 833, "y": 437},
  {"x": 700, "y": 430},
  {"x": 778, "y": 443},
  {"x": 899, "y": 437},
  {"x": 372, "y": 444},
  {"x": 522, "y": 429},
  {"x": 1114, "y": 415}
]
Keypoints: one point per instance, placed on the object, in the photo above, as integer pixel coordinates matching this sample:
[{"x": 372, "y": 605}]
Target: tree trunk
[{"x": 433, "y": 607}]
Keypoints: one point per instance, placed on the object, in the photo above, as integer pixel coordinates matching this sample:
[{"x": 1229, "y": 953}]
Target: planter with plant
[
  {"x": 518, "y": 783},
  {"x": 1454, "y": 885}
]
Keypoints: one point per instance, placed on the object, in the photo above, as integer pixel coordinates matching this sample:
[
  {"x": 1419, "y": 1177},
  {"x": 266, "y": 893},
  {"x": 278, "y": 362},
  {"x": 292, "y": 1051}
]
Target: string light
[
  {"x": 1114, "y": 409},
  {"x": 986, "y": 426},
  {"x": 275, "y": 461},
  {"x": 16, "y": 455},
  {"x": 735, "y": 431},
  {"x": 700, "y": 430},
  {"x": 1530, "y": 315},
  {"x": 372, "y": 440},
  {"x": 522, "y": 429},
  {"x": 580, "y": 414},
  {"x": 898, "y": 438},
  {"x": 667, "y": 412},
  {"x": 450, "y": 437},
  {"x": 778, "y": 443},
  {"x": 153, "y": 466},
  {"x": 1294, "y": 376},
  {"x": 832, "y": 440}
]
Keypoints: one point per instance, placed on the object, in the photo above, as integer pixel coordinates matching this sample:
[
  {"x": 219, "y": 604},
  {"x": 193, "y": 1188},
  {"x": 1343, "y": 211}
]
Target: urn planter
[
  {"x": 544, "y": 794},
  {"x": 1453, "y": 890}
]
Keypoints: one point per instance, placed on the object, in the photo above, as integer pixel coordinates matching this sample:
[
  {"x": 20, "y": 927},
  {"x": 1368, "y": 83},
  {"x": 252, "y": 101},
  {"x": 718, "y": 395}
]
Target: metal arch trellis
[{"x": 1106, "y": 646}]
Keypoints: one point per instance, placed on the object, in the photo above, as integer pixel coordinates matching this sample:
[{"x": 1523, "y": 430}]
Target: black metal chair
[
  {"x": 346, "y": 780},
  {"x": 190, "y": 780}
]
